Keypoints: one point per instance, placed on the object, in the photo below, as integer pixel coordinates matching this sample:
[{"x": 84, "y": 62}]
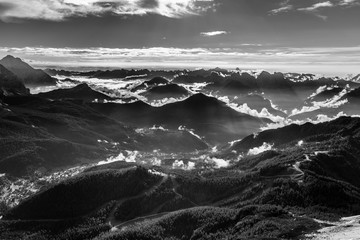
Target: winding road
[{"x": 296, "y": 167}]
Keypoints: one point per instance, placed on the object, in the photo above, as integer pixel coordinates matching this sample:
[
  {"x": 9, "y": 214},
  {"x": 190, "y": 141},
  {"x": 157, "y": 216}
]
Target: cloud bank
[
  {"x": 213, "y": 33},
  {"x": 334, "y": 102},
  {"x": 59, "y": 10},
  {"x": 257, "y": 150},
  {"x": 318, "y": 60}
]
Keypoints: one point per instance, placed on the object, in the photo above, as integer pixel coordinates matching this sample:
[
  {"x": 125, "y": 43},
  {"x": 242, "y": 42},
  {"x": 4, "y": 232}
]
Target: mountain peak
[
  {"x": 82, "y": 86},
  {"x": 11, "y": 62},
  {"x": 12, "y": 59},
  {"x": 201, "y": 99},
  {"x": 264, "y": 74},
  {"x": 157, "y": 80},
  {"x": 9, "y": 57},
  {"x": 25, "y": 72},
  {"x": 82, "y": 91}
]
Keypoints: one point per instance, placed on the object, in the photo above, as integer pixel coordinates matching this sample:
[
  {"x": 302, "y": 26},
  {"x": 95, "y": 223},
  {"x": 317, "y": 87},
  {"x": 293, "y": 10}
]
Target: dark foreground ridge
[{"x": 275, "y": 194}]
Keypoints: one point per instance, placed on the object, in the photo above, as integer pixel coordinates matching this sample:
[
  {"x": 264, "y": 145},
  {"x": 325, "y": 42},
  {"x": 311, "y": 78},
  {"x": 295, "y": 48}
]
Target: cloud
[
  {"x": 316, "y": 6},
  {"x": 314, "y": 9},
  {"x": 251, "y": 45},
  {"x": 194, "y": 87},
  {"x": 281, "y": 9},
  {"x": 320, "y": 118},
  {"x": 213, "y": 33},
  {"x": 127, "y": 156},
  {"x": 334, "y": 102},
  {"x": 109, "y": 53},
  {"x": 191, "y": 131},
  {"x": 284, "y": 7},
  {"x": 349, "y": 3},
  {"x": 244, "y": 108},
  {"x": 148, "y": 4},
  {"x": 257, "y": 150},
  {"x": 165, "y": 101},
  {"x": 220, "y": 163},
  {"x": 160, "y": 128},
  {"x": 320, "y": 53},
  {"x": 319, "y": 90},
  {"x": 264, "y": 113},
  {"x": 59, "y": 10},
  {"x": 181, "y": 165}
]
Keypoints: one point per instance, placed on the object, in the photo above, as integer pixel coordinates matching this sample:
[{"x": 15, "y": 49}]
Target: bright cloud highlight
[{"x": 213, "y": 33}]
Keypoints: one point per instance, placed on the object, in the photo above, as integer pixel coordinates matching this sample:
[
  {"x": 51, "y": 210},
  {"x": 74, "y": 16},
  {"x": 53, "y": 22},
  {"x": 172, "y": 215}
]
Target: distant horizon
[{"x": 76, "y": 65}]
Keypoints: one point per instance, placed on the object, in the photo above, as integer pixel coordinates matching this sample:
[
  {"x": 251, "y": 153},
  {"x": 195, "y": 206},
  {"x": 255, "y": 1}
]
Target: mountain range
[{"x": 178, "y": 154}]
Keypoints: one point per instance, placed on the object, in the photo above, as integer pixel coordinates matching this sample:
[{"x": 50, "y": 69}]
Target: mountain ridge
[
  {"x": 82, "y": 91},
  {"x": 208, "y": 116},
  {"x": 26, "y": 73}
]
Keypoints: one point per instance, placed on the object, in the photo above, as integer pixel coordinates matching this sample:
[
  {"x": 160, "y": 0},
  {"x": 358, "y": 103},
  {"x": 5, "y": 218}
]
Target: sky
[{"x": 277, "y": 35}]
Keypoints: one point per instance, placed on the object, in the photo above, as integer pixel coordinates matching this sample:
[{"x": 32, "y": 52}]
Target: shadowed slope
[
  {"x": 81, "y": 91},
  {"x": 26, "y": 73},
  {"x": 208, "y": 116}
]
